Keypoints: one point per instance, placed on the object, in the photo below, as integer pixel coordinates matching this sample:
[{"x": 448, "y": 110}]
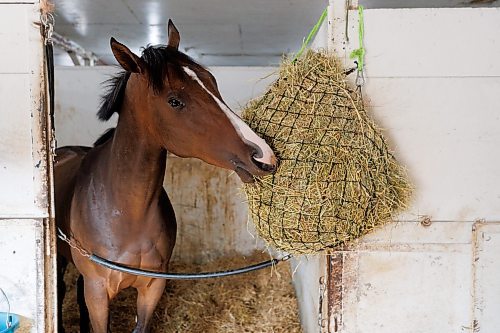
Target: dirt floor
[{"x": 260, "y": 302}]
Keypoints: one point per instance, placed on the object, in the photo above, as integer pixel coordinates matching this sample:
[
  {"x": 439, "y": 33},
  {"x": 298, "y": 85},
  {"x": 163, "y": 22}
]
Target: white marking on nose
[{"x": 240, "y": 126}]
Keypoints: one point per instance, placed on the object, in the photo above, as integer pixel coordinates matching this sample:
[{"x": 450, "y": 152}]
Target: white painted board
[
  {"x": 16, "y": 167},
  {"x": 15, "y": 37},
  {"x": 486, "y": 278},
  {"x": 429, "y": 42},
  {"x": 393, "y": 282},
  {"x": 419, "y": 291},
  {"x": 22, "y": 270},
  {"x": 432, "y": 84},
  {"x": 22, "y": 153},
  {"x": 445, "y": 130}
]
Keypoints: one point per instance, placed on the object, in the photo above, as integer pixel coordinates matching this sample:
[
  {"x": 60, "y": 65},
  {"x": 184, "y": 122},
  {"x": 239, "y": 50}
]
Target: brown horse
[{"x": 110, "y": 198}]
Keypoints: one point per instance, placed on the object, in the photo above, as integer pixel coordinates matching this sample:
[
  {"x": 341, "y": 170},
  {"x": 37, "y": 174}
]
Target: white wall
[
  {"x": 20, "y": 98},
  {"x": 433, "y": 80},
  {"x": 212, "y": 217}
]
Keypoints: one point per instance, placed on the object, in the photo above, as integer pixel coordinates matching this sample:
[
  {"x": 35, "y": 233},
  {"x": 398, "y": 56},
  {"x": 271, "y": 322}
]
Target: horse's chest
[
  {"x": 146, "y": 255},
  {"x": 117, "y": 225},
  {"x": 150, "y": 259},
  {"x": 146, "y": 247}
]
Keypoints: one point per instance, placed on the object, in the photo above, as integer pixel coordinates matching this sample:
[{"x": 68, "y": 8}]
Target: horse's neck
[{"x": 136, "y": 166}]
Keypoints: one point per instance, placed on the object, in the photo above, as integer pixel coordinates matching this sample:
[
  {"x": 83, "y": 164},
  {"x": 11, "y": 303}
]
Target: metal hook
[
  {"x": 360, "y": 78},
  {"x": 47, "y": 18},
  {"x": 48, "y": 22},
  {"x": 360, "y": 75}
]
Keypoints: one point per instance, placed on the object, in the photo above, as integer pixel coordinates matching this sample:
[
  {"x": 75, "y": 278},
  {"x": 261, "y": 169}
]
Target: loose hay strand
[{"x": 337, "y": 179}]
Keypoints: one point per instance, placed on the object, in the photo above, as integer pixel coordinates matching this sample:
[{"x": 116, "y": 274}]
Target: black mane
[
  {"x": 156, "y": 59},
  {"x": 112, "y": 101}
]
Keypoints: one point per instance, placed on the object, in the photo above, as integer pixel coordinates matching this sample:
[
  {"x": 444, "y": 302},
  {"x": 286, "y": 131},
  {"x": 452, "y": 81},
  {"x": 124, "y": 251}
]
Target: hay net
[{"x": 337, "y": 179}]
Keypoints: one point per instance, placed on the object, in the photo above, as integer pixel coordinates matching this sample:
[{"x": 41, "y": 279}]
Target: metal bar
[
  {"x": 74, "y": 49},
  {"x": 74, "y": 58}
]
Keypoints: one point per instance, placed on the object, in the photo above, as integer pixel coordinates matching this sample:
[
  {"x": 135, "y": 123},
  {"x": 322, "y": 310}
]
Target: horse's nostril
[
  {"x": 256, "y": 154},
  {"x": 264, "y": 166},
  {"x": 268, "y": 167}
]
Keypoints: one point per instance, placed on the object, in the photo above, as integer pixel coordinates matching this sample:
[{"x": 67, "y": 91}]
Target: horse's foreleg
[
  {"x": 147, "y": 299},
  {"x": 84, "y": 312},
  {"x": 97, "y": 300}
]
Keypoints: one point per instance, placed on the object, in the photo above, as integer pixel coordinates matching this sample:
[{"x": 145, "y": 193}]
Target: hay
[
  {"x": 47, "y": 7},
  {"x": 259, "y": 302},
  {"x": 337, "y": 179}
]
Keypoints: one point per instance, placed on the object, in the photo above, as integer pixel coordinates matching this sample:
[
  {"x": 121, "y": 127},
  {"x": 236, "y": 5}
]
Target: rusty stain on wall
[{"x": 335, "y": 264}]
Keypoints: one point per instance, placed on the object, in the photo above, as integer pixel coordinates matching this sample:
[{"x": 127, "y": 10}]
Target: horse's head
[{"x": 182, "y": 109}]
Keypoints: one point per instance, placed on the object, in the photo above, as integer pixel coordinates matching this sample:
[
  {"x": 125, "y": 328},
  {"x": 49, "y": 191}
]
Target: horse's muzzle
[
  {"x": 253, "y": 168},
  {"x": 268, "y": 168}
]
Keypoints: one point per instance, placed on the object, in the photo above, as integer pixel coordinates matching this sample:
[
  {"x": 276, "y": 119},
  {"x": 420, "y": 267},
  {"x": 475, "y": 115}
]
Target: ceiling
[{"x": 215, "y": 32}]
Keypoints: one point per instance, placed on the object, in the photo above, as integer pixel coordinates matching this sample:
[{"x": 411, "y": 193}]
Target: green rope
[
  {"x": 360, "y": 52},
  {"x": 311, "y": 35}
]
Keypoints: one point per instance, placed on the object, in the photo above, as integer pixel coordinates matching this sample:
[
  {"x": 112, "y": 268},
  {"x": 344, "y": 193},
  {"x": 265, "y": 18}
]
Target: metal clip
[
  {"x": 72, "y": 243},
  {"x": 53, "y": 145},
  {"x": 61, "y": 235},
  {"x": 48, "y": 22},
  {"x": 360, "y": 78},
  {"x": 322, "y": 290}
]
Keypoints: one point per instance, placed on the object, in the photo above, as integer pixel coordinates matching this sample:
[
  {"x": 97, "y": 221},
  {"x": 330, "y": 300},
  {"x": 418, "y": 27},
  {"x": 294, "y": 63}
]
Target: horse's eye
[{"x": 175, "y": 103}]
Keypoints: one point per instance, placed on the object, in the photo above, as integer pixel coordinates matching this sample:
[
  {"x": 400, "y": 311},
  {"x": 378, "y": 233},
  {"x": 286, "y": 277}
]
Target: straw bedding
[
  {"x": 259, "y": 302},
  {"x": 337, "y": 179}
]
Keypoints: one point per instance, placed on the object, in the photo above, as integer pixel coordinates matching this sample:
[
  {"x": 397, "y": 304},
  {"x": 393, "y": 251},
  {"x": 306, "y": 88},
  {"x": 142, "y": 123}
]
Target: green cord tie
[
  {"x": 311, "y": 35},
  {"x": 360, "y": 52}
]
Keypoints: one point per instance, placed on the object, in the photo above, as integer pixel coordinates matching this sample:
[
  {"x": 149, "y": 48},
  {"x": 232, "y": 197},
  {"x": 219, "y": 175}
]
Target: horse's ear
[
  {"x": 126, "y": 58},
  {"x": 173, "y": 35}
]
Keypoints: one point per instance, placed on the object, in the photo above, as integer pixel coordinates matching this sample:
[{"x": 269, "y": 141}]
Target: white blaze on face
[{"x": 240, "y": 126}]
